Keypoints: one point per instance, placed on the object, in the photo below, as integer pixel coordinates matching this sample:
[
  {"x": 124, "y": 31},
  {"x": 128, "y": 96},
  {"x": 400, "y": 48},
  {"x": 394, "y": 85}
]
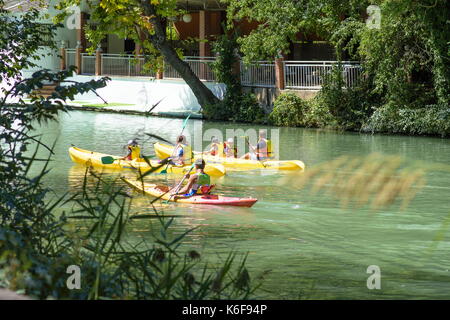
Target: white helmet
[{"x": 132, "y": 142}]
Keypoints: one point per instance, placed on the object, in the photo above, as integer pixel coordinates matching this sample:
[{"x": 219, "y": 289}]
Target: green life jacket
[{"x": 202, "y": 180}]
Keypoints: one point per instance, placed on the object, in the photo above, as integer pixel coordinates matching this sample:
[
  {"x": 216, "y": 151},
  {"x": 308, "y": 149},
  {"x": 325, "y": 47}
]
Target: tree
[
  {"x": 146, "y": 23},
  {"x": 407, "y": 58}
]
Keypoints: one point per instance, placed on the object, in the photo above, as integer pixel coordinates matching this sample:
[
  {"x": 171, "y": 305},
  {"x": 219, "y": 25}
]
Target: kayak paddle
[
  {"x": 108, "y": 160},
  {"x": 182, "y": 129},
  {"x": 178, "y": 187},
  {"x": 256, "y": 154}
]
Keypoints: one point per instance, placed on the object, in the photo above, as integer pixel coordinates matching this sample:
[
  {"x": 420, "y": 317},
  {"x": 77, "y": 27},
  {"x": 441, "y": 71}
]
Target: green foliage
[
  {"x": 236, "y": 105},
  {"x": 21, "y": 37},
  {"x": 335, "y": 105},
  {"x": 429, "y": 120},
  {"x": 350, "y": 106},
  {"x": 289, "y": 110},
  {"x": 281, "y": 20},
  {"x": 292, "y": 111},
  {"x": 406, "y": 61}
]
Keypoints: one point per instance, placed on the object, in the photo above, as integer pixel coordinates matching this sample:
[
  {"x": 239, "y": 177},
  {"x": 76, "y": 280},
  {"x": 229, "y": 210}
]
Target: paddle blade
[
  {"x": 186, "y": 120},
  {"x": 107, "y": 160},
  {"x": 165, "y": 161}
]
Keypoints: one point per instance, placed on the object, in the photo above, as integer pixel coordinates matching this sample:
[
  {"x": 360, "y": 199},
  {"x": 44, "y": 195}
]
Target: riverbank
[
  {"x": 350, "y": 110},
  {"x": 284, "y": 119},
  {"x": 131, "y": 111}
]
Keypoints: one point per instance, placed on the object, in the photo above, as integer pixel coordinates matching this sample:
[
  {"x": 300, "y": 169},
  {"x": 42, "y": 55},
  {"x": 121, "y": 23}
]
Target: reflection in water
[{"x": 303, "y": 239}]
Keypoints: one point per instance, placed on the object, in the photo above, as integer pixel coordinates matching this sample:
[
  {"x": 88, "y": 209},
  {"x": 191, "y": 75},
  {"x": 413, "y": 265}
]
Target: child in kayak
[
  {"x": 214, "y": 148},
  {"x": 198, "y": 183},
  {"x": 229, "y": 149},
  {"x": 134, "y": 150},
  {"x": 182, "y": 153},
  {"x": 263, "y": 149}
]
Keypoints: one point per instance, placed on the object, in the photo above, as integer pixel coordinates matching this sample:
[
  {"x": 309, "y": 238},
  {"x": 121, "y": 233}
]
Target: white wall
[{"x": 142, "y": 94}]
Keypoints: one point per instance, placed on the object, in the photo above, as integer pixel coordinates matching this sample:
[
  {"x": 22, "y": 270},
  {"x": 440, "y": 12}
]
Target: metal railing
[
  {"x": 87, "y": 63},
  {"x": 70, "y": 57},
  {"x": 312, "y": 74},
  {"x": 199, "y": 65},
  {"x": 309, "y": 75},
  {"x": 260, "y": 74},
  {"x": 124, "y": 65}
]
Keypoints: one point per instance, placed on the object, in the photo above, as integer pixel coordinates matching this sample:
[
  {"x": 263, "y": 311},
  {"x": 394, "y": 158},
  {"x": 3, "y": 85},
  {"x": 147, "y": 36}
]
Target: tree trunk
[
  {"x": 201, "y": 91},
  {"x": 159, "y": 41}
]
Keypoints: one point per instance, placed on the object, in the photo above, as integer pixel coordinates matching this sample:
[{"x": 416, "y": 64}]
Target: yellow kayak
[
  {"x": 94, "y": 159},
  {"x": 164, "y": 193},
  {"x": 163, "y": 151}
]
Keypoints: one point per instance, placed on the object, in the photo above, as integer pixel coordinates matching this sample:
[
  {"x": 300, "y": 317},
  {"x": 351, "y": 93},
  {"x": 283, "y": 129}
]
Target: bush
[
  {"x": 292, "y": 111},
  {"x": 289, "y": 110},
  {"x": 350, "y": 107},
  {"x": 236, "y": 107},
  {"x": 319, "y": 115},
  {"x": 430, "y": 120}
]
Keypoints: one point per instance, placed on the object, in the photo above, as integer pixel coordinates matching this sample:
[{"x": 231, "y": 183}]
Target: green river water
[{"x": 312, "y": 247}]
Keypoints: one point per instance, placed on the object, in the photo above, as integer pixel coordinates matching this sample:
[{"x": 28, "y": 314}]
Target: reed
[{"x": 376, "y": 180}]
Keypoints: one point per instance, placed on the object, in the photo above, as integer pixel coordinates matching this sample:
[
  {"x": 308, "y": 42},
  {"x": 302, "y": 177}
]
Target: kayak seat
[
  {"x": 206, "y": 189},
  {"x": 162, "y": 188},
  {"x": 210, "y": 196}
]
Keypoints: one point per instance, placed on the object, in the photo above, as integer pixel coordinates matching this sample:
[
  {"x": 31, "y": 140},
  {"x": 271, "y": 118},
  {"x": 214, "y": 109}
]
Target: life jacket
[
  {"x": 135, "y": 152},
  {"x": 203, "y": 184},
  {"x": 187, "y": 153},
  {"x": 269, "y": 148},
  {"x": 218, "y": 146},
  {"x": 266, "y": 151},
  {"x": 220, "y": 150},
  {"x": 227, "y": 149}
]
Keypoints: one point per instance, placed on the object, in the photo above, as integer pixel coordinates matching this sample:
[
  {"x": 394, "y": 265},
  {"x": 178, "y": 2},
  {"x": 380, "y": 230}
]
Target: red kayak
[{"x": 212, "y": 199}]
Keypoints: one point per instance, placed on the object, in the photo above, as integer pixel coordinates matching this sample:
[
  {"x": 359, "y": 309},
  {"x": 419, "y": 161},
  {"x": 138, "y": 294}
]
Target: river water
[{"x": 308, "y": 245}]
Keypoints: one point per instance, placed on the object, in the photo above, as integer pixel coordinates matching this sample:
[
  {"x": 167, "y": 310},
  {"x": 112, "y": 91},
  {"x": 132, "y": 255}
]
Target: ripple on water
[{"x": 310, "y": 244}]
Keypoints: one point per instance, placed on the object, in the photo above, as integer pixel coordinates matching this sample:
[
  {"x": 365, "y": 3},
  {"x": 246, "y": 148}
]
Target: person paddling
[
  {"x": 198, "y": 183},
  {"x": 134, "y": 150},
  {"x": 182, "y": 153},
  {"x": 263, "y": 149}
]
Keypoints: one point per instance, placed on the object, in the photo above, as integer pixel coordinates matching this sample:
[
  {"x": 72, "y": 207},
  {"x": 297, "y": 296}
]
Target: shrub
[
  {"x": 240, "y": 107},
  {"x": 319, "y": 115},
  {"x": 292, "y": 111},
  {"x": 431, "y": 120},
  {"x": 350, "y": 107},
  {"x": 289, "y": 110}
]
